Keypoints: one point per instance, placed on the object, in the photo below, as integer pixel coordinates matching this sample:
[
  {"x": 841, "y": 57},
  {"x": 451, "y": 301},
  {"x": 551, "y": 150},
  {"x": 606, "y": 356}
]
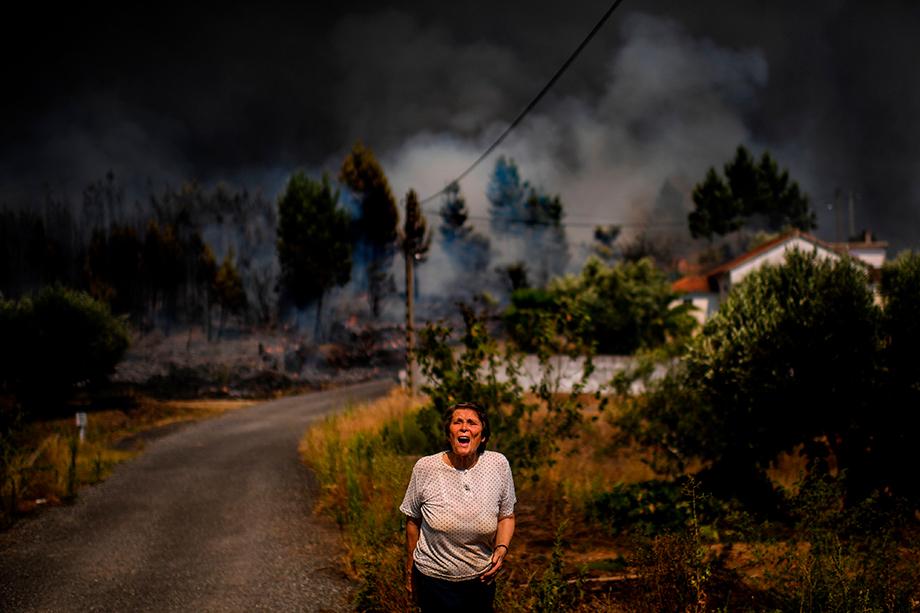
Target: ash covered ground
[{"x": 258, "y": 363}]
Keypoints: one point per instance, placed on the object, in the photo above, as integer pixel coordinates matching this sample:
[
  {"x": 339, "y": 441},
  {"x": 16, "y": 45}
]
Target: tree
[
  {"x": 416, "y": 240},
  {"x": 205, "y": 277},
  {"x": 617, "y": 309},
  {"x": 545, "y": 243},
  {"x": 55, "y": 342},
  {"x": 789, "y": 361},
  {"x": 113, "y": 268},
  {"x": 454, "y": 216},
  {"x": 751, "y": 194},
  {"x": 314, "y": 247},
  {"x": 898, "y": 409},
  {"x": 468, "y": 248},
  {"x": 228, "y": 290},
  {"x": 163, "y": 268},
  {"x": 506, "y": 194},
  {"x": 605, "y": 238},
  {"x": 376, "y": 226},
  {"x": 519, "y": 209}
]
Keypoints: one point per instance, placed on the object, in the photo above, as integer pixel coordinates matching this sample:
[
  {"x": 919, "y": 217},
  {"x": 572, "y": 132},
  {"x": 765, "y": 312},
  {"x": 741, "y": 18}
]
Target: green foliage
[
  {"x": 897, "y": 412},
  {"x": 376, "y": 226},
  {"x": 415, "y": 237},
  {"x": 552, "y": 592},
  {"x": 646, "y": 508},
  {"x": 605, "y": 238},
  {"x": 363, "y": 175},
  {"x": 490, "y": 376},
  {"x": 454, "y": 215},
  {"x": 56, "y": 341},
  {"x": 518, "y": 208},
  {"x": 505, "y": 192},
  {"x": 313, "y": 239},
  {"x": 789, "y": 360},
  {"x": 752, "y": 193},
  {"x": 363, "y": 475},
  {"x": 845, "y": 559},
  {"x": 469, "y": 249},
  {"x": 670, "y": 543},
  {"x": 616, "y": 309}
]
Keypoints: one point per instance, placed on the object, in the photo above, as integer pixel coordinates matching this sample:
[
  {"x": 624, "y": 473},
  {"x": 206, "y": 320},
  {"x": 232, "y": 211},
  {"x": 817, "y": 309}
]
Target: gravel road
[{"x": 216, "y": 517}]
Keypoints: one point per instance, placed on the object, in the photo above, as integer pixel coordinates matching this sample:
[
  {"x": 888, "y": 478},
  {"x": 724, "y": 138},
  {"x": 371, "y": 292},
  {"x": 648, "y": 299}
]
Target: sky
[{"x": 245, "y": 94}]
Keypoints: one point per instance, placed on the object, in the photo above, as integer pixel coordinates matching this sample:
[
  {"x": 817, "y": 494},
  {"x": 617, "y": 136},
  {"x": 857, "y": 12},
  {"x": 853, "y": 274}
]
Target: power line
[
  {"x": 583, "y": 224},
  {"x": 532, "y": 103}
]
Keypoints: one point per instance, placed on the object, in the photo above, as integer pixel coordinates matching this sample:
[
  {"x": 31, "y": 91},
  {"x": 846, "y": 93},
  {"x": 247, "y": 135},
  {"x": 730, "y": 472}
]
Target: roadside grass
[
  {"x": 44, "y": 463},
  {"x": 658, "y": 545},
  {"x": 363, "y": 459}
]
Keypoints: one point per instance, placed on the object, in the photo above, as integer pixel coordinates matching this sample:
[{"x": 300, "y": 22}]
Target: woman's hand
[
  {"x": 498, "y": 558},
  {"x": 409, "y": 586}
]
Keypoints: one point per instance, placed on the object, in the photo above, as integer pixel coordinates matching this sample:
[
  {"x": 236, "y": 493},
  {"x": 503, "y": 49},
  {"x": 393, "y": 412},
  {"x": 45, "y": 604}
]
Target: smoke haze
[{"x": 247, "y": 94}]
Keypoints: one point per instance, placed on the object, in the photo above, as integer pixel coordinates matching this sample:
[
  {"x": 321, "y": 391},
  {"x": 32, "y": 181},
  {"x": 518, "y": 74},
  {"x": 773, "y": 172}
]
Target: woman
[{"x": 460, "y": 518}]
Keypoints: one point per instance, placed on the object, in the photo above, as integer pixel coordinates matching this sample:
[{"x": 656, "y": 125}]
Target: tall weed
[
  {"x": 847, "y": 559},
  {"x": 360, "y": 462}
]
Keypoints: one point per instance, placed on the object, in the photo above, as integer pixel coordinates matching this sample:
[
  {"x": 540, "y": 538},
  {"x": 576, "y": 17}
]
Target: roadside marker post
[{"x": 81, "y": 424}]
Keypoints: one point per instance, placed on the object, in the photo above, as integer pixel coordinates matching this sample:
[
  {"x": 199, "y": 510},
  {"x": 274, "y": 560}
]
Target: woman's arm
[
  {"x": 502, "y": 541},
  {"x": 413, "y": 526}
]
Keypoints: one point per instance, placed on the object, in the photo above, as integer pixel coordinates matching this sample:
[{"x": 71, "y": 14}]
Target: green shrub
[
  {"x": 490, "y": 375},
  {"x": 55, "y": 343},
  {"x": 615, "y": 309},
  {"x": 846, "y": 559},
  {"x": 790, "y": 359}
]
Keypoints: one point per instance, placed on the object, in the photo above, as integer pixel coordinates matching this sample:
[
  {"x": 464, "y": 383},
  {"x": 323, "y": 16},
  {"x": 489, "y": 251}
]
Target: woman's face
[{"x": 465, "y": 432}]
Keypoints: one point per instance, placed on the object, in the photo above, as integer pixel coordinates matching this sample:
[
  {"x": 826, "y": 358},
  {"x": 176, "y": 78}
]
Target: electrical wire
[
  {"x": 532, "y": 103},
  {"x": 581, "y": 224}
]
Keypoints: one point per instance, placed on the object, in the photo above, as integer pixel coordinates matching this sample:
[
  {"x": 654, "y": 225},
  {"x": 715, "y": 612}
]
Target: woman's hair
[{"x": 480, "y": 413}]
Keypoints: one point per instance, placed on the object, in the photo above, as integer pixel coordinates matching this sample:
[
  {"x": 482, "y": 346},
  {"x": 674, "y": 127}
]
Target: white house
[{"x": 705, "y": 292}]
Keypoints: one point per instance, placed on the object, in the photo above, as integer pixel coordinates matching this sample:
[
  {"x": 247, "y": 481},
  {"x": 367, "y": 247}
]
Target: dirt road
[{"x": 216, "y": 517}]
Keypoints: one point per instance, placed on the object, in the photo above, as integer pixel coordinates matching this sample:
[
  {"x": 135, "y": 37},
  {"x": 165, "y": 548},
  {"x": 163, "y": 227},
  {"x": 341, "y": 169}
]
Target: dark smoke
[{"x": 247, "y": 93}]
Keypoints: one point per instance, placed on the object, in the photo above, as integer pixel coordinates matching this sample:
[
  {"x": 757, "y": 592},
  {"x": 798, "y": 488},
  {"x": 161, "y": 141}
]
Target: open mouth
[{"x": 463, "y": 440}]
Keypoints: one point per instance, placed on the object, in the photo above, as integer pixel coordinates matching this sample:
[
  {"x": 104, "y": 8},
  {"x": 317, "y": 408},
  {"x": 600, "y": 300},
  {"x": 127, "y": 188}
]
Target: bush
[
  {"x": 484, "y": 373},
  {"x": 615, "y": 309},
  {"x": 56, "y": 342},
  {"x": 846, "y": 559},
  {"x": 789, "y": 360}
]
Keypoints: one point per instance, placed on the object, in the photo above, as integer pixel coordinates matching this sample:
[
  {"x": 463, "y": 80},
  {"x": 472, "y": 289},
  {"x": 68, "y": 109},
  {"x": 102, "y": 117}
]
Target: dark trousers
[{"x": 440, "y": 596}]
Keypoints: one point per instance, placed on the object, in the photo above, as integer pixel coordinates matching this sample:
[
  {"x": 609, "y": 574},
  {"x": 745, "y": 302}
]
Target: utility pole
[
  {"x": 410, "y": 316},
  {"x": 416, "y": 239}
]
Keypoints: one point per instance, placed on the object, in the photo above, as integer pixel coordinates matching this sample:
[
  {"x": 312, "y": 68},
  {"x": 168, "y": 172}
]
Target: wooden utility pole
[
  {"x": 415, "y": 242},
  {"x": 410, "y": 317}
]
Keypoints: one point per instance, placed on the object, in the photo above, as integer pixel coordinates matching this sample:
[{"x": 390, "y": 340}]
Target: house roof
[
  {"x": 753, "y": 253},
  {"x": 691, "y": 285},
  {"x": 701, "y": 283}
]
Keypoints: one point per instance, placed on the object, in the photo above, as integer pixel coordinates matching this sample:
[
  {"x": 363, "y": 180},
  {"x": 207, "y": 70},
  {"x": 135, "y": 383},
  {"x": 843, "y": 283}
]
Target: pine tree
[
  {"x": 376, "y": 227},
  {"x": 752, "y": 194},
  {"x": 314, "y": 247}
]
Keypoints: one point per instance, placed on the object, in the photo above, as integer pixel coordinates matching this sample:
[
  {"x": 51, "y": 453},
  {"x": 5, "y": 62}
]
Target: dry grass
[
  {"x": 362, "y": 486},
  {"x": 556, "y": 553},
  {"x": 40, "y": 468},
  {"x": 589, "y": 463}
]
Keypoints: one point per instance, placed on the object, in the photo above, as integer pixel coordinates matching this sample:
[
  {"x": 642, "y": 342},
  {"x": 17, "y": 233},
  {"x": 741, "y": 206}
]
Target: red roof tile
[{"x": 691, "y": 285}]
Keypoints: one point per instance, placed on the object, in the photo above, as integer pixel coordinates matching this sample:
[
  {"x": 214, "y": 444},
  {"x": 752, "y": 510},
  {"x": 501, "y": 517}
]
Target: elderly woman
[{"x": 460, "y": 518}]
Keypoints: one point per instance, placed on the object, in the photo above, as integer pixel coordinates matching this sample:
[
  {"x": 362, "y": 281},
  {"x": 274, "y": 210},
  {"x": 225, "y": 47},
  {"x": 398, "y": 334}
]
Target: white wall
[{"x": 777, "y": 255}]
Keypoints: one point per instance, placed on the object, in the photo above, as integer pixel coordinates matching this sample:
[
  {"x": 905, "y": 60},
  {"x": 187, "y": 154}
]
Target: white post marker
[{"x": 81, "y": 424}]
